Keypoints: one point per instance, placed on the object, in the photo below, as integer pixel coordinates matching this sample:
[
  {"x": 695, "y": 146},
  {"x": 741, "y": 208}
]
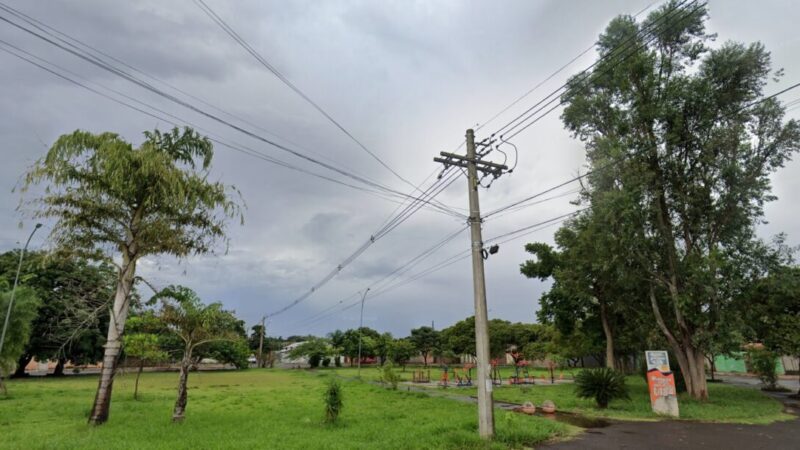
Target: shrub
[
  {"x": 314, "y": 361},
  {"x": 337, "y": 361},
  {"x": 326, "y": 362},
  {"x": 333, "y": 401},
  {"x": 601, "y": 384},
  {"x": 763, "y": 364},
  {"x": 388, "y": 376}
]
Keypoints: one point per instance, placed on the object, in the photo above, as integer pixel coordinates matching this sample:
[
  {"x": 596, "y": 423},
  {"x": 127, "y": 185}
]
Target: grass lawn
[
  {"x": 726, "y": 403},
  {"x": 249, "y": 409}
]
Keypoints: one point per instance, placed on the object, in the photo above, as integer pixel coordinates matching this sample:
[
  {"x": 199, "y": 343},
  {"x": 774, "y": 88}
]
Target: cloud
[{"x": 406, "y": 78}]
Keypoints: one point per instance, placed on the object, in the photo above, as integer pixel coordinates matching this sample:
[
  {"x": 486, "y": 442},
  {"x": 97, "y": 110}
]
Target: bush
[
  {"x": 602, "y": 384},
  {"x": 763, "y": 364},
  {"x": 388, "y": 376},
  {"x": 326, "y": 362},
  {"x": 333, "y": 401},
  {"x": 314, "y": 361},
  {"x": 337, "y": 361}
]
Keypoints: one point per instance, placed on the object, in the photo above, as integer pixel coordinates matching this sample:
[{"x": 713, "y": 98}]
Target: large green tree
[
  {"x": 75, "y": 295},
  {"x": 118, "y": 202},
  {"x": 682, "y": 152},
  {"x": 594, "y": 281},
  {"x": 425, "y": 340},
  {"x": 23, "y": 312}
]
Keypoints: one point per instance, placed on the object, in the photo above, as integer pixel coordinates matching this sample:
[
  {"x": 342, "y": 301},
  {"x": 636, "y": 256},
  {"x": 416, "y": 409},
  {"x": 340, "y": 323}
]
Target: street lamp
[
  {"x": 14, "y": 289},
  {"x": 360, "y": 326}
]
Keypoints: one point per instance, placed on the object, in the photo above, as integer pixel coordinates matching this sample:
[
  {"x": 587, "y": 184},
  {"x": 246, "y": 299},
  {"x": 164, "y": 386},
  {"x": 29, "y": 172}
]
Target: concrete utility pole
[
  {"x": 14, "y": 289},
  {"x": 261, "y": 343},
  {"x": 361, "y": 325},
  {"x": 473, "y": 164}
]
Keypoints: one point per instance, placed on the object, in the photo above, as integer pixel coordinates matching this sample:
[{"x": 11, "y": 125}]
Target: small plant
[
  {"x": 388, "y": 376},
  {"x": 763, "y": 364},
  {"x": 326, "y": 362},
  {"x": 333, "y": 401},
  {"x": 601, "y": 384}
]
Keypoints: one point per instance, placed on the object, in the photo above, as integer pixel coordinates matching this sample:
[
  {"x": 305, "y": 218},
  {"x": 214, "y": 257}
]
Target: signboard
[{"x": 661, "y": 382}]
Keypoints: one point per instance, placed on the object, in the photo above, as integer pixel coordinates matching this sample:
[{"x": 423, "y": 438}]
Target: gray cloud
[{"x": 407, "y": 78}]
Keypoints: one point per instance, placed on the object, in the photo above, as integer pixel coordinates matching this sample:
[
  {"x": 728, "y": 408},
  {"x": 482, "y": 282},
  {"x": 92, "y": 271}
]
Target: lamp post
[
  {"x": 360, "y": 326},
  {"x": 14, "y": 289}
]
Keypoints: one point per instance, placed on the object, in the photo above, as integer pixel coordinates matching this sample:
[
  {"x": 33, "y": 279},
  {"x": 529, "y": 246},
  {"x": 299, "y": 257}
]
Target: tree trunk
[
  {"x": 136, "y": 385},
  {"x": 180, "y": 402},
  {"x": 609, "y": 336},
  {"x": 116, "y": 326},
  {"x": 690, "y": 359},
  {"x": 23, "y": 362},
  {"x": 59, "y": 370},
  {"x": 425, "y": 359}
]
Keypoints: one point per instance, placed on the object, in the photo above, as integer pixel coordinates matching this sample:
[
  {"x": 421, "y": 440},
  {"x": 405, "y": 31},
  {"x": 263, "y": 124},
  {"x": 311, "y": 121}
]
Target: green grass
[
  {"x": 726, "y": 403},
  {"x": 250, "y": 409}
]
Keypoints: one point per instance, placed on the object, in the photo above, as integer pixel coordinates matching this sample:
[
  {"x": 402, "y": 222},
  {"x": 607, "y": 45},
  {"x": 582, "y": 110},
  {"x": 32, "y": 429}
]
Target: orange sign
[{"x": 663, "y": 395}]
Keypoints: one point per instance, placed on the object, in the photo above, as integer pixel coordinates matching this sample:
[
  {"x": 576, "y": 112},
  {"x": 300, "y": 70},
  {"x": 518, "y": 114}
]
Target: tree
[
  {"x": 144, "y": 347},
  {"x": 425, "y": 340},
  {"x": 19, "y": 326},
  {"x": 593, "y": 281},
  {"x": 383, "y": 346},
  {"x": 402, "y": 351},
  {"x": 111, "y": 199},
  {"x": 349, "y": 341},
  {"x": 682, "y": 151},
  {"x": 773, "y": 306},
  {"x": 75, "y": 296},
  {"x": 197, "y": 325},
  {"x": 314, "y": 349}
]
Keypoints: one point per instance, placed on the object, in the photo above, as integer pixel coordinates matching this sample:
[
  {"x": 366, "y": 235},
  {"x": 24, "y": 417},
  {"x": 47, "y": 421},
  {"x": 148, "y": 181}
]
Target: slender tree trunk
[
  {"x": 23, "y": 362},
  {"x": 609, "y": 336},
  {"x": 180, "y": 402},
  {"x": 59, "y": 369},
  {"x": 3, "y": 389},
  {"x": 136, "y": 385},
  {"x": 116, "y": 326}
]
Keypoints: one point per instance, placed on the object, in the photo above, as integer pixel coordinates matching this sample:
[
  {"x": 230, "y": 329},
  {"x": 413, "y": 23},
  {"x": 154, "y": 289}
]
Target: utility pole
[
  {"x": 473, "y": 164},
  {"x": 14, "y": 289},
  {"x": 261, "y": 343},
  {"x": 360, "y": 326}
]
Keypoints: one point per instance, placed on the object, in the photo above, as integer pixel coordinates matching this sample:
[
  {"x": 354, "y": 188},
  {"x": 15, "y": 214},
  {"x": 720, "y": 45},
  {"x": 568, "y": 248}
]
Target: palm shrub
[
  {"x": 601, "y": 384},
  {"x": 333, "y": 401}
]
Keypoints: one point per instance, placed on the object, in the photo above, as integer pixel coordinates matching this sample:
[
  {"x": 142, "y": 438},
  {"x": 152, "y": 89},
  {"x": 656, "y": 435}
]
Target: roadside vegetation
[{"x": 251, "y": 409}]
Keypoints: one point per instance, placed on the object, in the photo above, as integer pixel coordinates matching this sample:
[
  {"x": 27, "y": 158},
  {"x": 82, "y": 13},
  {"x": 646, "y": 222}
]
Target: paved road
[{"x": 690, "y": 435}]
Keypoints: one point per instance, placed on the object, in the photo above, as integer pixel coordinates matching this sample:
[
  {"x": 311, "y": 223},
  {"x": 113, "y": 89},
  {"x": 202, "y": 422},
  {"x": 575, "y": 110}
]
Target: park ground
[{"x": 283, "y": 409}]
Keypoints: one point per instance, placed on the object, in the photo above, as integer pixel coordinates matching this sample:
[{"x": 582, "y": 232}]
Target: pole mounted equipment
[{"x": 474, "y": 163}]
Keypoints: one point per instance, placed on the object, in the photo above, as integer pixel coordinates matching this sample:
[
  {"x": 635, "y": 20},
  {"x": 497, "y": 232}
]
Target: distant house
[{"x": 282, "y": 356}]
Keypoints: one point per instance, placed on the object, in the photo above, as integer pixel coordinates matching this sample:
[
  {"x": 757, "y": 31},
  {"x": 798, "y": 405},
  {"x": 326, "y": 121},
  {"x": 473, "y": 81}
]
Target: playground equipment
[
  {"x": 443, "y": 381},
  {"x": 420, "y": 376},
  {"x": 521, "y": 374},
  {"x": 465, "y": 379},
  {"x": 497, "y": 380}
]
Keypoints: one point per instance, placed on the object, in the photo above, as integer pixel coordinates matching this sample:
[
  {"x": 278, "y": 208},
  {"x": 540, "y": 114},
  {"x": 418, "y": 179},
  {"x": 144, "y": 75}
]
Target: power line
[
  {"x": 94, "y": 60},
  {"x": 550, "y": 77},
  {"x": 170, "y": 118},
  {"x": 258, "y": 57},
  {"x": 542, "y": 104}
]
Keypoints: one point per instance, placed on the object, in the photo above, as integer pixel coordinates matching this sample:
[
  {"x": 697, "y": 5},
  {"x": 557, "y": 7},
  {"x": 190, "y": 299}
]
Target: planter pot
[
  {"x": 528, "y": 408},
  {"x": 548, "y": 407}
]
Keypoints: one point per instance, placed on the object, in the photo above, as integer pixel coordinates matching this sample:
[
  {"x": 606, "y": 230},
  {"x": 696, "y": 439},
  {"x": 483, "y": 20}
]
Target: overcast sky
[{"x": 406, "y": 78}]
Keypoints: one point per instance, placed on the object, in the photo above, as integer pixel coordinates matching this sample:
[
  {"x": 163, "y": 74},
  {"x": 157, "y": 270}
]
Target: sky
[{"x": 406, "y": 78}]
